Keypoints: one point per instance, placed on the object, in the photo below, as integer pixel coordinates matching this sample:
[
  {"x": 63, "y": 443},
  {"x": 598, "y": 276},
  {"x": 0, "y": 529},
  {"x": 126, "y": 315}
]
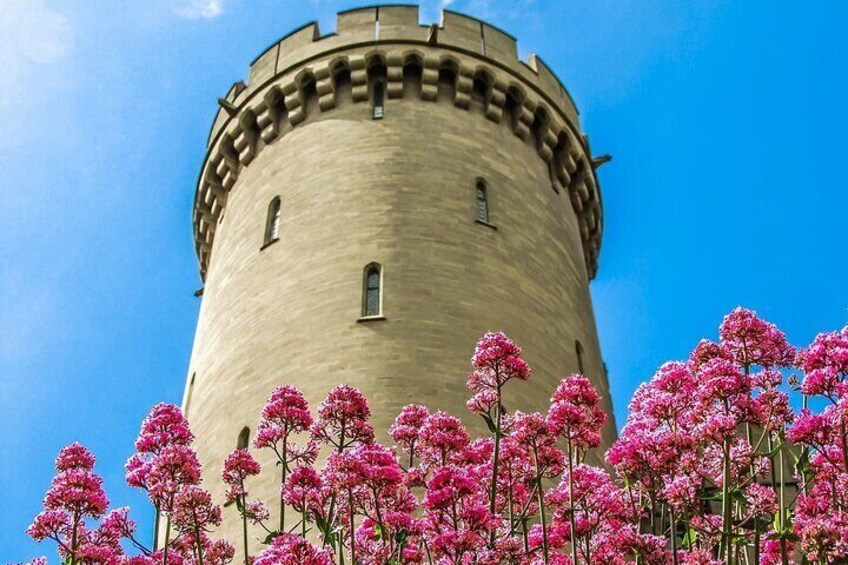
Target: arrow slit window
[
  {"x": 272, "y": 223},
  {"x": 372, "y": 292},
  {"x": 482, "y": 202}
]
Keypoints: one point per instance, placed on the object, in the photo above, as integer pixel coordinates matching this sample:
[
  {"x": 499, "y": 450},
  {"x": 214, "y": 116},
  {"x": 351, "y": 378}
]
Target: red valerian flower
[
  {"x": 164, "y": 425},
  {"x": 343, "y": 419},
  {"x": 753, "y": 341},
  {"x": 238, "y": 466},
  {"x": 291, "y": 549},
  {"x": 442, "y": 438},
  {"x": 194, "y": 511},
  {"x": 406, "y": 428},
  {"x": 496, "y": 361},
  {"x": 575, "y": 413}
]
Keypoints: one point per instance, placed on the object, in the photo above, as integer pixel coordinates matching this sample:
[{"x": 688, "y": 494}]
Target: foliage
[{"x": 701, "y": 472}]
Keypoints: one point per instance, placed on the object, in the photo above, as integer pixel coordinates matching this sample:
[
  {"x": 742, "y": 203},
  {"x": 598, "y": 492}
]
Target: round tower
[{"x": 374, "y": 200}]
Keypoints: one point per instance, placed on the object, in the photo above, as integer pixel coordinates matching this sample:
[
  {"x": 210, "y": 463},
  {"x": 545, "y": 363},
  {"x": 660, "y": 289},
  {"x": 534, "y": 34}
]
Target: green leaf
[
  {"x": 269, "y": 539},
  {"x": 690, "y": 538},
  {"x": 490, "y": 423}
]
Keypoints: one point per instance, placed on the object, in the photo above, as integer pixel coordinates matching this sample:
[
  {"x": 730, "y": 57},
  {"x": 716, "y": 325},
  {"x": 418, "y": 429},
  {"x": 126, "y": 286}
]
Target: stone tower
[{"x": 372, "y": 201}]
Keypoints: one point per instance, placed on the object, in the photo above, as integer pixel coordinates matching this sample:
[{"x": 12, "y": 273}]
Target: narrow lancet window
[
  {"x": 379, "y": 99},
  {"x": 243, "y": 438},
  {"x": 371, "y": 300},
  {"x": 482, "y": 202},
  {"x": 578, "y": 347},
  {"x": 272, "y": 223}
]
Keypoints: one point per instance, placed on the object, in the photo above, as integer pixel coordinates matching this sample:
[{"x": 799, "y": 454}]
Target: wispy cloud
[
  {"x": 198, "y": 9},
  {"x": 33, "y": 36}
]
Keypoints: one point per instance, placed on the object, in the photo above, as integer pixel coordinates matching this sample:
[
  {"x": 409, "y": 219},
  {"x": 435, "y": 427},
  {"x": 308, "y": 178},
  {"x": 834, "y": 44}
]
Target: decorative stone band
[{"x": 304, "y": 75}]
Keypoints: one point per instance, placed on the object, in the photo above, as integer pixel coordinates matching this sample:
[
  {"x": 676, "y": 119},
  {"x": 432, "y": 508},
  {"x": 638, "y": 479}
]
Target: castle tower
[{"x": 374, "y": 200}]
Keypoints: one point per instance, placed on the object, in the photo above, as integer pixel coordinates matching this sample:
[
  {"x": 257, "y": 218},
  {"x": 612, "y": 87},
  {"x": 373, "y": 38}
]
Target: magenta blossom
[
  {"x": 291, "y": 549},
  {"x": 575, "y": 413},
  {"x": 496, "y": 361},
  {"x": 343, "y": 419}
]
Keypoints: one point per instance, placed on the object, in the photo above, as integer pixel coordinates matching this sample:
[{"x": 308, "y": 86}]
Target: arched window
[
  {"x": 578, "y": 347},
  {"x": 243, "y": 438},
  {"x": 482, "y": 202},
  {"x": 272, "y": 223},
  {"x": 379, "y": 99},
  {"x": 372, "y": 291}
]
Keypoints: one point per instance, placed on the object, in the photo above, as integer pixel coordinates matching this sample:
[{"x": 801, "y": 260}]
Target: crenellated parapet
[{"x": 469, "y": 63}]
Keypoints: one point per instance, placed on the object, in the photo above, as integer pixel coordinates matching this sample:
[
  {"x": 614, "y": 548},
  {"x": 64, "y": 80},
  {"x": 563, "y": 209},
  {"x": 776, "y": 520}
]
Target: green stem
[
  {"x": 673, "y": 535},
  {"x": 156, "y": 521},
  {"x": 784, "y": 555},
  {"x": 283, "y": 484},
  {"x": 199, "y": 544},
  {"x": 494, "y": 490},
  {"x": 571, "y": 505},
  {"x": 244, "y": 527},
  {"x": 724, "y": 549},
  {"x": 542, "y": 511},
  {"x": 352, "y": 529},
  {"x": 74, "y": 539},
  {"x": 167, "y": 540}
]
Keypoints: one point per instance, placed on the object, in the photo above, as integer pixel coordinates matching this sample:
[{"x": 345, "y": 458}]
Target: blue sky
[{"x": 727, "y": 123}]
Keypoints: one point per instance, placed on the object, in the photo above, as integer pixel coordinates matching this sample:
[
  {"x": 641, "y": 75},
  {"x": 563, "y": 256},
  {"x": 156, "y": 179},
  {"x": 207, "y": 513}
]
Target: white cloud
[
  {"x": 198, "y": 9},
  {"x": 33, "y": 38}
]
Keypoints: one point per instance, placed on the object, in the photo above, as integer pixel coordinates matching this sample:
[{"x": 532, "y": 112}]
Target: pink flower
[
  {"x": 117, "y": 524},
  {"x": 164, "y": 461},
  {"x": 811, "y": 429},
  {"x": 496, "y": 361},
  {"x": 442, "y": 436},
  {"x": 575, "y": 412},
  {"x": 174, "y": 467},
  {"x": 78, "y": 492},
  {"x": 484, "y": 402},
  {"x": 824, "y": 381},
  {"x": 165, "y": 425},
  {"x": 721, "y": 379},
  {"x": 35, "y": 561},
  {"x": 193, "y": 510},
  {"x": 291, "y": 549},
  {"x": 74, "y": 456},
  {"x": 343, "y": 419},
  {"x": 407, "y": 426},
  {"x": 681, "y": 492},
  {"x": 50, "y": 524},
  {"x": 304, "y": 490},
  {"x": 761, "y": 499},
  {"x": 829, "y": 350},
  {"x": 707, "y": 350},
  {"x": 447, "y": 487},
  {"x": 256, "y": 511},
  {"x": 285, "y": 413},
  {"x": 238, "y": 466},
  {"x": 533, "y": 433},
  {"x": 698, "y": 557},
  {"x": 754, "y": 341},
  {"x": 456, "y": 519},
  {"x": 378, "y": 469}
]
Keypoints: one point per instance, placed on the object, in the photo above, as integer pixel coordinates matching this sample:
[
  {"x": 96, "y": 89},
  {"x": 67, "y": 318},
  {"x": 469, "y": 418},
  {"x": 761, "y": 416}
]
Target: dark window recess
[
  {"x": 578, "y": 347},
  {"x": 482, "y": 202},
  {"x": 372, "y": 292},
  {"x": 379, "y": 100},
  {"x": 272, "y": 223}
]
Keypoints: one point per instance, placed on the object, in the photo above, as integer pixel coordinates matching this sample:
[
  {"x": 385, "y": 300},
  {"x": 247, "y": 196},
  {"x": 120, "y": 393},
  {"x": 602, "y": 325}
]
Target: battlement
[
  {"x": 465, "y": 61},
  {"x": 399, "y": 23}
]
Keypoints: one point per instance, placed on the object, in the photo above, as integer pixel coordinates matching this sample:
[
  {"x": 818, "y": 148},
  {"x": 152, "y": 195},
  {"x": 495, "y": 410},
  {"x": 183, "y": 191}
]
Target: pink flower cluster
[{"x": 712, "y": 467}]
